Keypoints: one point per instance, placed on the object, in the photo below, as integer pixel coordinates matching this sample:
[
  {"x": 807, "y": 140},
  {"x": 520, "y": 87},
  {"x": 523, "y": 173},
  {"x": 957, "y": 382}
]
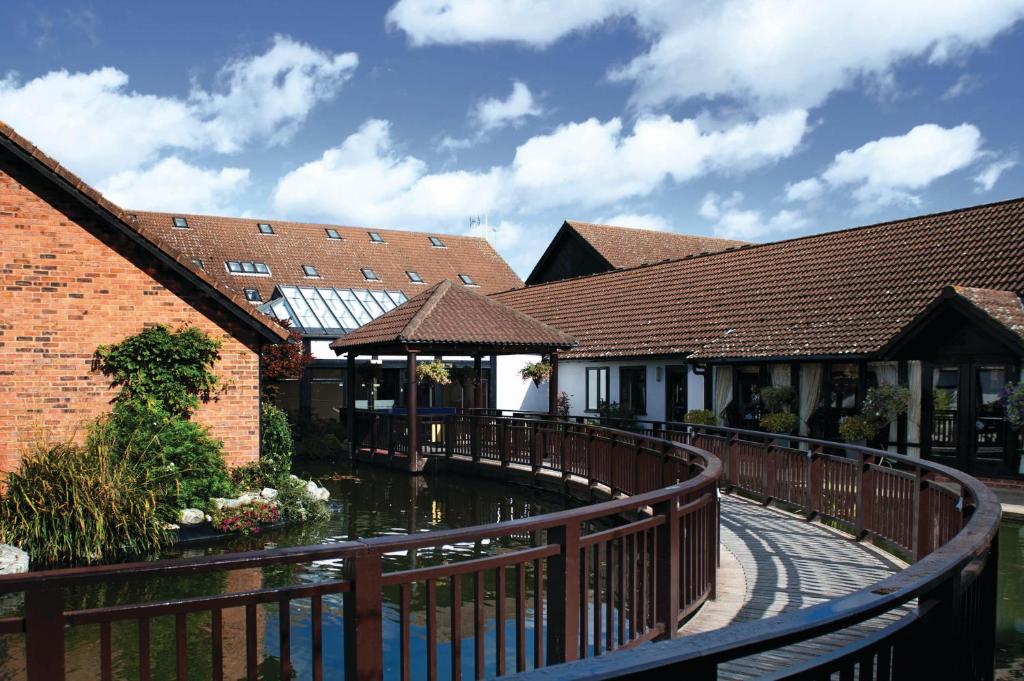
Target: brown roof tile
[
  {"x": 216, "y": 240},
  {"x": 1004, "y": 307},
  {"x": 453, "y": 314},
  {"x": 232, "y": 298},
  {"x": 838, "y": 293},
  {"x": 629, "y": 247}
]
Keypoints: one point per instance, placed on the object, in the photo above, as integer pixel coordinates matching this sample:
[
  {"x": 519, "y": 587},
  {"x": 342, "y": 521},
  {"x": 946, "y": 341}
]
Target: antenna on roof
[{"x": 481, "y": 221}]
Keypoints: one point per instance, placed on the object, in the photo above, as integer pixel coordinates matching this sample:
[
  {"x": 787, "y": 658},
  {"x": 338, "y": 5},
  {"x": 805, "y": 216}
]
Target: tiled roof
[
  {"x": 1004, "y": 307},
  {"x": 216, "y": 240},
  {"x": 629, "y": 247},
  {"x": 839, "y": 293},
  {"x": 452, "y": 314},
  {"x": 228, "y": 297}
]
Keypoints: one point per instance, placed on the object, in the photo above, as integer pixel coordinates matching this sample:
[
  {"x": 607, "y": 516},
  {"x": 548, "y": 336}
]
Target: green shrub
[
  {"x": 296, "y": 506},
  {"x": 276, "y": 445},
  {"x": 883, "y": 404},
  {"x": 700, "y": 417},
  {"x": 778, "y": 398},
  {"x": 780, "y": 422},
  {"x": 172, "y": 369},
  {"x": 69, "y": 504},
  {"x": 856, "y": 428},
  {"x": 1013, "y": 403}
]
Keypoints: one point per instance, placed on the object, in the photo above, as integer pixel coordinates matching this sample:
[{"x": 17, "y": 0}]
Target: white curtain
[
  {"x": 914, "y": 411},
  {"x": 887, "y": 374},
  {"x": 810, "y": 393},
  {"x": 780, "y": 374},
  {"x": 723, "y": 390}
]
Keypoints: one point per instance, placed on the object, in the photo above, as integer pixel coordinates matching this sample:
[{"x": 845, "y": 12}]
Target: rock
[
  {"x": 172, "y": 526},
  {"x": 208, "y": 518},
  {"x": 246, "y": 498},
  {"x": 324, "y": 495},
  {"x": 293, "y": 476},
  {"x": 191, "y": 516},
  {"x": 12, "y": 560},
  {"x": 268, "y": 493},
  {"x": 311, "y": 487}
]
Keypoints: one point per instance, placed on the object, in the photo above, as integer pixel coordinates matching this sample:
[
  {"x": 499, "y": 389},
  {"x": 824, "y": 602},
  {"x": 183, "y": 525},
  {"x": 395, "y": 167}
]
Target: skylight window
[
  {"x": 180, "y": 223},
  {"x": 310, "y": 271},
  {"x": 265, "y": 228},
  {"x": 467, "y": 280},
  {"x": 369, "y": 275},
  {"x": 436, "y": 242},
  {"x": 333, "y": 234},
  {"x": 246, "y": 267},
  {"x": 376, "y": 238},
  {"x": 198, "y": 262},
  {"x": 414, "y": 277},
  {"x": 253, "y": 295}
]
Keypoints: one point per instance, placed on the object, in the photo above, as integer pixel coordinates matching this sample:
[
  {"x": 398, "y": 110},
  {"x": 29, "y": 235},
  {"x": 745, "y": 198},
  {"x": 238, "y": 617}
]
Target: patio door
[
  {"x": 968, "y": 425},
  {"x": 675, "y": 393}
]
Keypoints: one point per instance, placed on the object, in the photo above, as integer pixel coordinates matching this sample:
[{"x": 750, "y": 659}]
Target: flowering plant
[
  {"x": 435, "y": 371},
  {"x": 538, "y": 372},
  {"x": 246, "y": 518}
]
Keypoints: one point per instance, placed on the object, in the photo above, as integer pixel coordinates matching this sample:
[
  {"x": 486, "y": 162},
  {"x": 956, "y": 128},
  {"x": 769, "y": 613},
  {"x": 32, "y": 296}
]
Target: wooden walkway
[{"x": 774, "y": 562}]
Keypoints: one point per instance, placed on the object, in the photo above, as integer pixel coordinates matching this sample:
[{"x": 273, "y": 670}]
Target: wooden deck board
[{"x": 781, "y": 563}]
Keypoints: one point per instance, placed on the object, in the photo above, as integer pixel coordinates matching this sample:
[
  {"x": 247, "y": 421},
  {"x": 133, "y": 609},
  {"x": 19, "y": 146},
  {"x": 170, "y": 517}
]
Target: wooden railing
[
  {"x": 941, "y": 519},
  {"x": 577, "y": 584}
]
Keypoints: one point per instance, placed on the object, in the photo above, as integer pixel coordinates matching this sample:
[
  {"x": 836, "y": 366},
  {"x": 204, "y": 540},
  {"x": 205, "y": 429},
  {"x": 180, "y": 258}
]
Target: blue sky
[{"x": 751, "y": 119}]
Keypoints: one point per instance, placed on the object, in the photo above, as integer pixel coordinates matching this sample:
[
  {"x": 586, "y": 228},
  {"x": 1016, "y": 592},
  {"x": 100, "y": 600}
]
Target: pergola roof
[{"x": 449, "y": 316}]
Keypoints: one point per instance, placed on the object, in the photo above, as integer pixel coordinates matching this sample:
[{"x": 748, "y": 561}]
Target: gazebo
[{"x": 448, "y": 319}]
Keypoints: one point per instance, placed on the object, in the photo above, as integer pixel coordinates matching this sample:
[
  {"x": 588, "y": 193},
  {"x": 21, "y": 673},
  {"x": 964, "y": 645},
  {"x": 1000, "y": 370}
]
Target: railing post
[
  {"x": 733, "y": 469},
  {"x": 364, "y": 643},
  {"x": 922, "y": 517},
  {"x": 770, "y": 473},
  {"x": 815, "y": 481},
  {"x": 563, "y": 572},
  {"x": 44, "y": 633},
  {"x": 666, "y": 568},
  {"x": 536, "y": 459},
  {"x": 503, "y": 441},
  {"x": 865, "y": 496},
  {"x": 474, "y": 437}
]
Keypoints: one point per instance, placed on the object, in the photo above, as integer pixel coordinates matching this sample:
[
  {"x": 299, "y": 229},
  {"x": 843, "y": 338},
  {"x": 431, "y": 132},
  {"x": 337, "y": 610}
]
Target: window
[
  {"x": 467, "y": 280},
  {"x": 597, "y": 388},
  {"x": 369, "y": 274},
  {"x": 265, "y": 228},
  {"x": 414, "y": 277},
  {"x": 633, "y": 389},
  {"x": 376, "y": 238},
  {"x": 310, "y": 271},
  {"x": 436, "y": 242},
  {"x": 332, "y": 234},
  {"x": 246, "y": 267},
  {"x": 253, "y": 295},
  {"x": 180, "y": 223},
  {"x": 198, "y": 262}
]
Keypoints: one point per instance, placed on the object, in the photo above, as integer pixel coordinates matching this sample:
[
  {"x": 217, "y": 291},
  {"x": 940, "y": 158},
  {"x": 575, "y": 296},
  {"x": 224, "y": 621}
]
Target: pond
[
  {"x": 1010, "y": 604},
  {"x": 368, "y": 502}
]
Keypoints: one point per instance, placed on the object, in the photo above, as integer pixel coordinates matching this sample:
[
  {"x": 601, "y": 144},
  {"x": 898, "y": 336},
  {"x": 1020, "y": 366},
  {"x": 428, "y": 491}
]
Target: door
[
  {"x": 987, "y": 428},
  {"x": 675, "y": 393}
]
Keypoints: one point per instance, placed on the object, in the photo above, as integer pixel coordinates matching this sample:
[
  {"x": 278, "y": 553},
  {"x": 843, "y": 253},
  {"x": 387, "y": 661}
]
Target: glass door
[
  {"x": 945, "y": 431},
  {"x": 675, "y": 393},
  {"x": 988, "y": 427}
]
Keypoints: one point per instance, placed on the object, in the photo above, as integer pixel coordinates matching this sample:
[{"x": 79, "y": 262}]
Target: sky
[{"x": 748, "y": 119}]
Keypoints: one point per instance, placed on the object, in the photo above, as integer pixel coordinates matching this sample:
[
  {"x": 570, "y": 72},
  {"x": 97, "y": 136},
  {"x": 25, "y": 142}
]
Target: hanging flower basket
[
  {"x": 433, "y": 372},
  {"x": 538, "y": 372}
]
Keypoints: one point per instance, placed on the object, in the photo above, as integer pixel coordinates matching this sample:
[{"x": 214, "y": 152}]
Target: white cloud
[
  {"x": 492, "y": 113},
  {"x": 639, "y": 221},
  {"x": 964, "y": 85},
  {"x": 174, "y": 185},
  {"x": 886, "y": 171},
  {"x": 987, "y": 178},
  {"x": 732, "y": 222},
  {"x": 582, "y": 165},
  {"x": 98, "y": 127},
  {"x": 804, "y": 190},
  {"x": 770, "y": 53}
]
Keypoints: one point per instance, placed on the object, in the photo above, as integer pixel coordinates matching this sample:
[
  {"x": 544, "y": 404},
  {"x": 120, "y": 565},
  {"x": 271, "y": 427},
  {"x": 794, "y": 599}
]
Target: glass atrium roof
[{"x": 329, "y": 312}]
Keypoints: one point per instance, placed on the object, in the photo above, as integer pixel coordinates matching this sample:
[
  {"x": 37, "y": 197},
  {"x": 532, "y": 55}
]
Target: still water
[
  {"x": 1010, "y": 606},
  {"x": 368, "y": 502}
]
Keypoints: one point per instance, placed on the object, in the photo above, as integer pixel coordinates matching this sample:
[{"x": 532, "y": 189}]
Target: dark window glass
[
  {"x": 181, "y": 223},
  {"x": 467, "y": 280},
  {"x": 332, "y": 234},
  {"x": 265, "y": 228},
  {"x": 369, "y": 274},
  {"x": 376, "y": 237},
  {"x": 844, "y": 388},
  {"x": 597, "y": 388},
  {"x": 414, "y": 277},
  {"x": 234, "y": 266},
  {"x": 310, "y": 271},
  {"x": 253, "y": 295},
  {"x": 633, "y": 389},
  {"x": 436, "y": 242}
]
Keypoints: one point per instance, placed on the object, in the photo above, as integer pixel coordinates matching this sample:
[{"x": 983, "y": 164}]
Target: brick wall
[{"x": 69, "y": 284}]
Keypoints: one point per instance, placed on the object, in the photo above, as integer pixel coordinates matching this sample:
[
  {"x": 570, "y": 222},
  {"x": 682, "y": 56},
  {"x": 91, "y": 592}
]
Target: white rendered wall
[
  {"x": 572, "y": 380},
  {"x": 513, "y": 392},
  {"x": 695, "y": 391}
]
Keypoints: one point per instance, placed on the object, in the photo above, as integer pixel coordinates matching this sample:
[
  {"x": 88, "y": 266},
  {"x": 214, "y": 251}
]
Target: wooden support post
[
  {"x": 364, "y": 651},
  {"x": 553, "y": 385},
  {"x": 44, "y": 633},
  {"x": 414, "y": 432},
  {"x": 350, "y": 404},
  {"x": 478, "y": 403},
  {"x": 666, "y": 574},
  {"x": 563, "y": 571}
]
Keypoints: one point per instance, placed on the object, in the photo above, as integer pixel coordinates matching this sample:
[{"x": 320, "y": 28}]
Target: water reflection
[{"x": 1010, "y": 603}]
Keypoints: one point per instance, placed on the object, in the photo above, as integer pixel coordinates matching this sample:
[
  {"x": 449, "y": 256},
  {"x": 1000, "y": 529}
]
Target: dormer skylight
[
  {"x": 369, "y": 275},
  {"x": 376, "y": 238},
  {"x": 332, "y": 234},
  {"x": 180, "y": 223},
  {"x": 436, "y": 242},
  {"x": 265, "y": 228},
  {"x": 310, "y": 271},
  {"x": 467, "y": 280}
]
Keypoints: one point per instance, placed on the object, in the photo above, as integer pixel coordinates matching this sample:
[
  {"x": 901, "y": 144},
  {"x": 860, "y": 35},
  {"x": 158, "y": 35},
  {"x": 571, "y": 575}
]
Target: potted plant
[
  {"x": 434, "y": 372},
  {"x": 780, "y": 420},
  {"x": 562, "y": 405},
  {"x": 538, "y": 372},
  {"x": 856, "y": 430},
  {"x": 780, "y": 423},
  {"x": 1013, "y": 407}
]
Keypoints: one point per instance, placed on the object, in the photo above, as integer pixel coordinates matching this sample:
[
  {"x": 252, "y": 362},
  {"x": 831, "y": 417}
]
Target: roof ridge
[
  {"x": 667, "y": 232},
  {"x": 440, "y": 289}
]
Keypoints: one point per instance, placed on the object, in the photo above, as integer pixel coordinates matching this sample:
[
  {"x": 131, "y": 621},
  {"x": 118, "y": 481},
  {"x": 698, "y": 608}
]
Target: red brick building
[{"x": 76, "y": 272}]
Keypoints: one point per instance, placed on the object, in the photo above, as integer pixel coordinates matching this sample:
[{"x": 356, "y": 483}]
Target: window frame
[
  {"x": 640, "y": 370},
  {"x": 269, "y": 231},
  {"x": 467, "y": 280},
  {"x": 183, "y": 222},
  {"x": 376, "y": 238},
  {"x": 332, "y": 234},
  {"x": 253, "y": 295},
  {"x": 198, "y": 262},
  {"x": 254, "y": 269},
  {"x": 414, "y": 277},
  {"x": 437, "y": 242},
  {"x": 369, "y": 271},
  {"x": 311, "y": 271},
  {"x": 606, "y": 371}
]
